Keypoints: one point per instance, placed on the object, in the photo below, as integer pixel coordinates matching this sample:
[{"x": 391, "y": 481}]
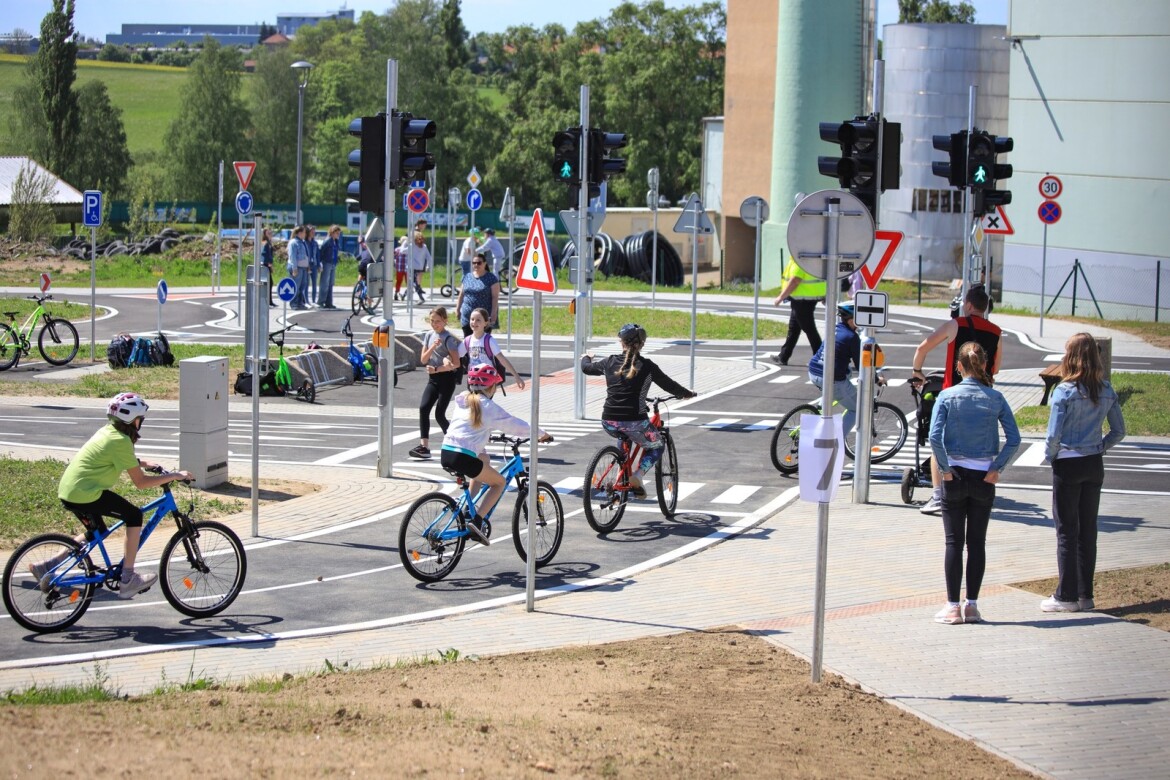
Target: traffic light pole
[
  {"x": 388, "y": 358},
  {"x": 968, "y": 205},
  {"x": 584, "y": 263}
]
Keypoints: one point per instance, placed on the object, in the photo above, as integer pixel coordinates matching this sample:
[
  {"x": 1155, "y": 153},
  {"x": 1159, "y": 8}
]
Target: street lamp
[{"x": 303, "y": 69}]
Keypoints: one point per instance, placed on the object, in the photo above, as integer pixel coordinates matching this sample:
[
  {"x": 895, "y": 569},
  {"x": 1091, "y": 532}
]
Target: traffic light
[
  {"x": 369, "y": 191},
  {"x": 601, "y": 164},
  {"x": 954, "y": 170},
  {"x": 986, "y": 171},
  {"x": 857, "y": 168},
  {"x": 567, "y": 156},
  {"x": 409, "y": 157},
  {"x": 981, "y": 160}
]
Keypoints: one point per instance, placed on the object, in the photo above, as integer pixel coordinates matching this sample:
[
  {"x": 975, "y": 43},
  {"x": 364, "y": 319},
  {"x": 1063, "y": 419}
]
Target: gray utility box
[{"x": 203, "y": 419}]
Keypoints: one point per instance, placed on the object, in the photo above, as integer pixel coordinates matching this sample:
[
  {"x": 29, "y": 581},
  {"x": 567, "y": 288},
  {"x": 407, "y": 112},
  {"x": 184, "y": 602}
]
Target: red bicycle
[{"x": 607, "y": 481}]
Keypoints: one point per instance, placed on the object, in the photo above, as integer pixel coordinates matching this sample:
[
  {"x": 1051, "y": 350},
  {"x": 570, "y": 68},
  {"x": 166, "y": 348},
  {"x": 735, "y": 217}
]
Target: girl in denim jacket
[
  {"x": 1075, "y": 448},
  {"x": 964, "y": 438}
]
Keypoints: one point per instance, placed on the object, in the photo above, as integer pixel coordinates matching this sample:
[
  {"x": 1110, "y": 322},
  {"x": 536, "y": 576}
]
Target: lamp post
[{"x": 303, "y": 69}]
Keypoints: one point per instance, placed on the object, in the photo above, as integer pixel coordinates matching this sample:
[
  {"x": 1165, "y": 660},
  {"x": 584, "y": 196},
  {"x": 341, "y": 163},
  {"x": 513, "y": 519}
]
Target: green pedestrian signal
[
  {"x": 566, "y": 170},
  {"x": 979, "y": 176}
]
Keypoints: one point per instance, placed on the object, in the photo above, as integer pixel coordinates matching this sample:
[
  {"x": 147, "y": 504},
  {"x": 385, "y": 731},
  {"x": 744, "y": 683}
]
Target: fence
[{"x": 1139, "y": 290}]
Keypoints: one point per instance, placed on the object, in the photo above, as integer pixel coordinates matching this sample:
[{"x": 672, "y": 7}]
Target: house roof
[
  {"x": 276, "y": 39},
  {"x": 10, "y": 168}
]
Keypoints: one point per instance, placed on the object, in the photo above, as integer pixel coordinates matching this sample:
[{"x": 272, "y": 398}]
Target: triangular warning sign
[
  {"x": 875, "y": 266},
  {"x": 535, "y": 272},
  {"x": 244, "y": 171},
  {"x": 693, "y": 218},
  {"x": 997, "y": 223}
]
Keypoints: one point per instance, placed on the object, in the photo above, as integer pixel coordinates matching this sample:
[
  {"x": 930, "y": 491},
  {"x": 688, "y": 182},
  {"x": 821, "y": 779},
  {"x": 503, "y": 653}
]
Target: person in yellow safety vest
[{"x": 804, "y": 290}]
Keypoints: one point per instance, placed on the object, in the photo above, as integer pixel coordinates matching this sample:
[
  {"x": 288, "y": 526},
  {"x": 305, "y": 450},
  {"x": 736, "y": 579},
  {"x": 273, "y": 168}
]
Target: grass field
[{"x": 147, "y": 94}]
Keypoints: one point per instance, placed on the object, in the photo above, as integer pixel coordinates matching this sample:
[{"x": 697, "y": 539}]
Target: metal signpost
[
  {"x": 508, "y": 215},
  {"x": 244, "y": 170},
  {"x": 831, "y": 252},
  {"x": 215, "y": 282},
  {"x": 583, "y": 238},
  {"x": 92, "y": 201},
  {"x": 257, "y": 357},
  {"x": 539, "y": 278},
  {"x": 754, "y": 212},
  {"x": 1049, "y": 213},
  {"x": 652, "y": 178},
  {"x": 161, "y": 293},
  {"x": 694, "y": 220},
  {"x": 453, "y": 198},
  {"x": 386, "y": 376},
  {"x": 432, "y": 177}
]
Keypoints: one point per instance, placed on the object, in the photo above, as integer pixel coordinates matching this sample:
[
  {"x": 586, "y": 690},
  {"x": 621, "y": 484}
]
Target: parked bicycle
[
  {"x": 201, "y": 571},
  {"x": 607, "y": 480},
  {"x": 434, "y": 532},
  {"x": 450, "y": 288},
  {"x": 365, "y": 365},
  {"x": 888, "y": 426},
  {"x": 363, "y": 298},
  {"x": 306, "y": 391},
  {"x": 57, "y": 341}
]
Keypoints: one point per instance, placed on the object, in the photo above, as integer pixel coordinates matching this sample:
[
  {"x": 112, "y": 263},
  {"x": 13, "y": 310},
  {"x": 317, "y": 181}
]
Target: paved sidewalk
[{"x": 1066, "y": 695}]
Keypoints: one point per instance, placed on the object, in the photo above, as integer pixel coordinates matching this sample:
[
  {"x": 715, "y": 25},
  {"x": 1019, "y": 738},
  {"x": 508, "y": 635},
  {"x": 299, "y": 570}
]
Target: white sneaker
[
  {"x": 1053, "y": 604},
  {"x": 933, "y": 506},
  {"x": 129, "y": 588}
]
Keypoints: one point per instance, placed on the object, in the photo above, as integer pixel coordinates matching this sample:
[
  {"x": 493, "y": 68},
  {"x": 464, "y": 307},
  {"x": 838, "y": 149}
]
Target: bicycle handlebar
[{"x": 39, "y": 298}]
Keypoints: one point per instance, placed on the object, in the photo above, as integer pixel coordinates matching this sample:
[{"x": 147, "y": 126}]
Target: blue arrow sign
[
  {"x": 161, "y": 290},
  {"x": 474, "y": 199},
  {"x": 93, "y": 208},
  {"x": 244, "y": 203},
  {"x": 287, "y": 289}
]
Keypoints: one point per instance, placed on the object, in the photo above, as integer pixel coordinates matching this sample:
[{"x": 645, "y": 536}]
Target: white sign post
[
  {"x": 93, "y": 220},
  {"x": 754, "y": 212},
  {"x": 1050, "y": 188},
  {"x": 694, "y": 221}
]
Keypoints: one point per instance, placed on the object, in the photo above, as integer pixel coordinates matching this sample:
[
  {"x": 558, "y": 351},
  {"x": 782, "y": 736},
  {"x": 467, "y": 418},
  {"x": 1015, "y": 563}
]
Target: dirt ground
[{"x": 714, "y": 704}]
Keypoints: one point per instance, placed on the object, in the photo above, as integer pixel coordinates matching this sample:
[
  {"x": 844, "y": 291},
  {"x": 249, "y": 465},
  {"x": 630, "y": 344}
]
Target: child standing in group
[
  {"x": 441, "y": 354},
  {"x": 465, "y": 442},
  {"x": 482, "y": 348}
]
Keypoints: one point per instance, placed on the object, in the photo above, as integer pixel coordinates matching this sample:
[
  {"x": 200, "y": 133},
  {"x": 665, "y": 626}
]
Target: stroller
[{"x": 924, "y": 394}]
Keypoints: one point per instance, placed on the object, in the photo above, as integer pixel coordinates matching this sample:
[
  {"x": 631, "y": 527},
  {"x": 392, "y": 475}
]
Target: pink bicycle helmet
[
  {"x": 483, "y": 375},
  {"x": 127, "y": 407}
]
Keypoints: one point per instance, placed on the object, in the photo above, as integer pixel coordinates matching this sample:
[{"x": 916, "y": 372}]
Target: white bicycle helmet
[{"x": 127, "y": 407}]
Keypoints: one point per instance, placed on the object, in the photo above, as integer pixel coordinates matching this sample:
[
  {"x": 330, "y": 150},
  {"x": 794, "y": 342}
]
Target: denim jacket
[
  {"x": 966, "y": 423},
  {"x": 1075, "y": 422}
]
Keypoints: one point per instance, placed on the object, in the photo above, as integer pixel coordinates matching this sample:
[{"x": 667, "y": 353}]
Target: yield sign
[
  {"x": 535, "y": 271},
  {"x": 875, "y": 266},
  {"x": 997, "y": 223},
  {"x": 244, "y": 171}
]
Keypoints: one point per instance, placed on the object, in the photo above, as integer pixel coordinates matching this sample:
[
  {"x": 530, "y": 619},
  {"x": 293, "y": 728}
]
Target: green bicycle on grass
[{"x": 57, "y": 342}]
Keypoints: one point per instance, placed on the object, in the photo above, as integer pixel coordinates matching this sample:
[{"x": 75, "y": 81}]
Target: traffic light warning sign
[{"x": 535, "y": 271}]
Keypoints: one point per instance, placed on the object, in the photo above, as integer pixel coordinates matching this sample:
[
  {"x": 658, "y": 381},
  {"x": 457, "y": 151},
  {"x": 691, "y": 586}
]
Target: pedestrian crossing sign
[{"x": 535, "y": 271}]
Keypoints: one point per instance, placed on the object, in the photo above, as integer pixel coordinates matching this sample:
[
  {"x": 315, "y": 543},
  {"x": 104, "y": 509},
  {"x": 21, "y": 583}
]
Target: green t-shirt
[{"x": 97, "y": 466}]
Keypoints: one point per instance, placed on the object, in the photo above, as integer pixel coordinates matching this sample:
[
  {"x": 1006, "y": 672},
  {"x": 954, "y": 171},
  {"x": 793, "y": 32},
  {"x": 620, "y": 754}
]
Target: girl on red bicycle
[
  {"x": 464, "y": 444},
  {"x": 628, "y": 377}
]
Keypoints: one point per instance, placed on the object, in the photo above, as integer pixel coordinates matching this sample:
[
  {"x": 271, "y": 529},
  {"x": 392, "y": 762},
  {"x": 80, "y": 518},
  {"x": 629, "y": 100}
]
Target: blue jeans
[
  {"x": 845, "y": 394},
  {"x": 312, "y": 283},
  {"x": 302, "y": 280},
  {"x": 325, "y": 292}
]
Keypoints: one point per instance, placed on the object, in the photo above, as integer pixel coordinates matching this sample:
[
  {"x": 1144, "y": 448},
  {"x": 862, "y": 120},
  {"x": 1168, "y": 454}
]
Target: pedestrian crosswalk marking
[
  {"x": 736, "y": 494},
  {"x": 682, "y": 420},
  {"x": 784, "y": 379}
]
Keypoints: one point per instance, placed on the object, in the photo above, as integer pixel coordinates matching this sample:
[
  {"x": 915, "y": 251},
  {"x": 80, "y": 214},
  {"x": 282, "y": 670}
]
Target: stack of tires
[
  {"x": 166, "y": 240},
  {"x": 633, "y": 257}
]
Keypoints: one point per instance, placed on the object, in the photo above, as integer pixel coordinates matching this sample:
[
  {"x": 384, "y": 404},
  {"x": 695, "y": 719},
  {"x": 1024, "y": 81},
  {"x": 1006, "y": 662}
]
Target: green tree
[
  {"x": 31, "y": 217},
  {"x": 113, "y": 53},
  {"x": 454, "y": 35},
  {"x": 103, "y": 157},
  {"x": 53, "y": 72},
  {"x": 935, "y": 12},
  {"x": 210, "y": 126},
  {"x": 273, "y": 99}
]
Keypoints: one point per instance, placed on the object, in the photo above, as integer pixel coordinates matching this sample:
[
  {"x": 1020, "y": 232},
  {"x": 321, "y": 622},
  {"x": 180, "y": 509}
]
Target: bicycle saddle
[
  {"x": 460, "y": 479},
  {"x": 11, "y": 314}
]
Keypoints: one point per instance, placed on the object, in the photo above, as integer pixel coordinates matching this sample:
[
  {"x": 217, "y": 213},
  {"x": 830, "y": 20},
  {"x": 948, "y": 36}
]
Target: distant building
[
  {"x": 65, "y": 200},
  {"x": 227, "y": 34}
]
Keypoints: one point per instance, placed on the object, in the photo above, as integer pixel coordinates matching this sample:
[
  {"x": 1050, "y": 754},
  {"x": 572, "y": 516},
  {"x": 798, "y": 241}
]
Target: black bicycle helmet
[{"x": 632, "y": 335}]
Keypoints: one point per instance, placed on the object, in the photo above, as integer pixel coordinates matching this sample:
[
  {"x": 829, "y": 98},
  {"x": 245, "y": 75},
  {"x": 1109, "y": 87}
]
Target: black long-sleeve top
[{"x": 625, "y": 399}]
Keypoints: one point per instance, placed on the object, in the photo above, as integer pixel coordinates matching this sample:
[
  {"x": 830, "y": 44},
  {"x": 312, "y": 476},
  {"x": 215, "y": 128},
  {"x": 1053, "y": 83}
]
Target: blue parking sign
[{"x": 92, "y": 208}]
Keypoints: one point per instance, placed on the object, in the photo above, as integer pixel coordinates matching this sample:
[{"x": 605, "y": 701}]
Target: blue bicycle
[
  {"x": 201, "y": 571},
  {"x": 363, "y": 299},
  {"x": 434, "y": 531}
]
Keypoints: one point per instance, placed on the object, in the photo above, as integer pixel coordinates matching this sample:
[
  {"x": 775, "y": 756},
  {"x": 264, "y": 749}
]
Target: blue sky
[{"x": 97, "y": 18}]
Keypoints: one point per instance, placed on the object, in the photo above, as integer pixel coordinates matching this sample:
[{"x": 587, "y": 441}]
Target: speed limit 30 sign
[{"x": 1051, "y": 187}]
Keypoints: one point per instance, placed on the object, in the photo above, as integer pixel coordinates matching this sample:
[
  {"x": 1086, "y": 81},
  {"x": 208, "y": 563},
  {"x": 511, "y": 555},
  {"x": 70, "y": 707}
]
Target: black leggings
[
  {"x": 109, "y": 504},
  {"x": 437, "y": 394}
]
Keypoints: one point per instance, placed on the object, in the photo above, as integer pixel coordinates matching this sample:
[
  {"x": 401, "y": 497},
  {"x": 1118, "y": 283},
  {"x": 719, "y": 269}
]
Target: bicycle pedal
[{"x": 486, "y": 527}]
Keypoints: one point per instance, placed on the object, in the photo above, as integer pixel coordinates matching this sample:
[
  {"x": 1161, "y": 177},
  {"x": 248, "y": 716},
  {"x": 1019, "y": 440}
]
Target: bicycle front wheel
[
  {"x": 9, "y": 347},
  {"x": 59, "y": 604},
  {"x": 605, "y": 491},
  {"x": 666, "y": 477},
  {"x": 355, "y": 298},
  {"x": 889, "y": 433},
  {"x": 58, "y": 342},
  {"x": 786, "y": 440},
  {"x": 202, "y": 570},
  {"x": 546, "y": 532},
  {"x": 431, "y": 538}
]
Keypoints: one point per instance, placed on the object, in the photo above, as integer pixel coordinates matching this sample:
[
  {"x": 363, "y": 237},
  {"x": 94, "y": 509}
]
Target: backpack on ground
[
  {"x": 162, "y": 351},
  {"x": 143, "y": 353},
  {"x": 118, "y": 353},
  {"x": 268, "y": 386}
]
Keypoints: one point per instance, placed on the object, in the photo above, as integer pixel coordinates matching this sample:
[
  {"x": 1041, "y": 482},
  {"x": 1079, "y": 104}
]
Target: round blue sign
[
  {"x": 287, "y": 289},
  {"x": 474, "y": 199},
  {"x": 162, "y": 291},
  {"x": 1049, "y": 212},
  {"x": 244, "y": 203}
]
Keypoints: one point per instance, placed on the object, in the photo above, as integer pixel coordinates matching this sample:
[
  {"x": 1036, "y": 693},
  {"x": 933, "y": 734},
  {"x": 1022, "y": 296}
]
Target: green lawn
[{"x": 1143, "y": 405}]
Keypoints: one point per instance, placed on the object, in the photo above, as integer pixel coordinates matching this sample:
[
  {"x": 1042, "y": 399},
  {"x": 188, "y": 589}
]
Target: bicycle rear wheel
[
  {"x": 61, "y": 345},
  {"x": 431, "y": 538},
  {"x": 9, "y": 347},
  {"x": 889, "y": 433},
  {"x": 355, "y": 298},
  {"x": 546, "y": 531},
  {"x": 666, "y": 477},
  {"x": 62, "y": 604},
  {"x": 202, "y": 570},
  {"x": 786, "y": 440},
  {"x": 604, "y": 502}
]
